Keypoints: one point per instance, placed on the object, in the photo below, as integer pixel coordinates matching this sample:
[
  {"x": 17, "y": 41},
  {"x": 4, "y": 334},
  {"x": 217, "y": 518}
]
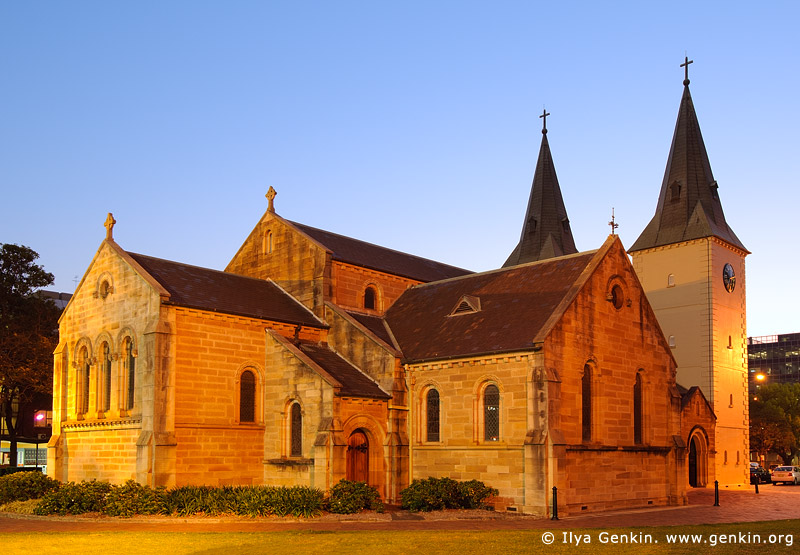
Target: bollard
[
  {"x": 555, "y": 504},
  {"x": 716, "y": 493},
  {"x": 756, "y": 487}
]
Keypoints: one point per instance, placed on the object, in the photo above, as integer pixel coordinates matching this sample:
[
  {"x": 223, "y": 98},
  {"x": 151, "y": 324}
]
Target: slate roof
[
  {"x": 688, "y": 204},
  {"x": 516, "y": 305},
  {"x": 354, "y": 382},
  {"x": 375, "y": 324},
  {"x": 361, "y": 253},
  {"x": 545, "y": 231},
  {"x": 206, "y": 289}
]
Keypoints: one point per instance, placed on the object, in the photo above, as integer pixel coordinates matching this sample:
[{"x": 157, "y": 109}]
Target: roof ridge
[
  {"x": 375, "y": 245},
  {"x": 506, "y": 268}
]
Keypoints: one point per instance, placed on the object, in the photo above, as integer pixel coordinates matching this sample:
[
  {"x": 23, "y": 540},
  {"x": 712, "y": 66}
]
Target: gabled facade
[{"x": 579, "y": 378}]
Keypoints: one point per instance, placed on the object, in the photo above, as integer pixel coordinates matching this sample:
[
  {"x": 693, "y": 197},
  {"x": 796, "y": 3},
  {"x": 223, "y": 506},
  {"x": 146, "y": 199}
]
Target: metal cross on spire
[
  {"x": 685, "y": 65},
  {"x": 614, "y": 225},
  {"x": 544, "y": 115}
]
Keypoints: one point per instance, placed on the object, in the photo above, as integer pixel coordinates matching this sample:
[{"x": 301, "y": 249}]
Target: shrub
[
  {"x": 351, "y": 497},
  {"x": 297, "y": 501},
  {"x": 22, "y": 486},
  {"x": 434, "y": 494},
  {"x": 132, "y": 498},
  {"x": 75, "y": 499},
  {"x": 474, "y": 494}
]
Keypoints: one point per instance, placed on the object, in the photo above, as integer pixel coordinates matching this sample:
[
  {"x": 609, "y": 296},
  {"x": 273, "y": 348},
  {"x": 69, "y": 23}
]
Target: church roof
[
  {"x": 375, "y": 324},
  {"x": 688, "y": 204},
  {"x": 206, "y": 289},
  {"x": 545, "y": 231},
  {"x": 498, "y": 311},
  {"x": 367, "y": 255},
  {"x": 354, "y": 383}
]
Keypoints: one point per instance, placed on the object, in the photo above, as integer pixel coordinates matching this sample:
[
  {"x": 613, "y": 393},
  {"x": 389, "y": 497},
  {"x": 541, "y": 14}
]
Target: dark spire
[
  {"x": 688, "y": 205},
  {"x": 545, "y": 232}
]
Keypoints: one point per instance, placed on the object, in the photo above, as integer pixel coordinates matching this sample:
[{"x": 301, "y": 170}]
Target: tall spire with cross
[
  {"x": 545, "y": 231},
  {"x": 688, "y": 205}
]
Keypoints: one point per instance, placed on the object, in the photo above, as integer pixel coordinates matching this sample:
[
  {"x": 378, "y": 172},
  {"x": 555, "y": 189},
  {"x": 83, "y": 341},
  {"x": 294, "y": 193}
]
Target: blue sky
[{"x": 413, "y": 125}]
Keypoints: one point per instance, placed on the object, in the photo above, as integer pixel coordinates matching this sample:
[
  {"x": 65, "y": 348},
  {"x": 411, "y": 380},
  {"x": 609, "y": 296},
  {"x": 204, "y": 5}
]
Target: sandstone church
[{"x": 315, "y": 357}]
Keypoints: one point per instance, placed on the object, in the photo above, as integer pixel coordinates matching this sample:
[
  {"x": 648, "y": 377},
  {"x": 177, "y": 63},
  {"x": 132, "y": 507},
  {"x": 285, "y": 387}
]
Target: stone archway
[
  {"x": 358, "y": 456},
  {"x": 698, "y": 460}
]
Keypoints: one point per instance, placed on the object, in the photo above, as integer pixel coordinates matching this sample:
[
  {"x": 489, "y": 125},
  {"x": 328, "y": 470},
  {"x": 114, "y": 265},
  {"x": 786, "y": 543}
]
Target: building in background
[{"x": 773, "y": 359}]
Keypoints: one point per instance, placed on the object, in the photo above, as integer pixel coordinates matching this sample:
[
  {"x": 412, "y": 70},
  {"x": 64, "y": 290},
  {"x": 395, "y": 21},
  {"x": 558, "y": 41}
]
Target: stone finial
[
  {"x": 109, "y": 225},
  {"x": 271, "y": 194}
]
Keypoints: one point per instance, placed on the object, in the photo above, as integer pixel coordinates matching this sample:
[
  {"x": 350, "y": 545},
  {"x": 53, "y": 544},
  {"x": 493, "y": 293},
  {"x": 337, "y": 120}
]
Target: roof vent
[{"x": 467, "y": 305}]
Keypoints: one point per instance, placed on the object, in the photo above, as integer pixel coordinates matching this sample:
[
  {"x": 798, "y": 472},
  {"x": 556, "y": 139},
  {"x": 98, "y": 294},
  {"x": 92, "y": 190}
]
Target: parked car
[
  {"x": 759, "y": 474},
  {"x": 786, "y": 475}
]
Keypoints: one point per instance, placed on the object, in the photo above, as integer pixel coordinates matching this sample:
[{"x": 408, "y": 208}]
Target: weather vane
[{"x": 614, "y": 225}]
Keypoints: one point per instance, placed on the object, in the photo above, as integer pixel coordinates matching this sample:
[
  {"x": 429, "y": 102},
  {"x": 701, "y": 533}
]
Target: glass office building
[{"x": 773, "y": 359}]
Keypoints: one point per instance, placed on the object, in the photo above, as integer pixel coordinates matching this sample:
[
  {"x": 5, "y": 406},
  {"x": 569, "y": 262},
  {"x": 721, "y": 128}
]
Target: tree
[
  {"x": 28, "y": 335},
  {"x": 775, "y": 420}
]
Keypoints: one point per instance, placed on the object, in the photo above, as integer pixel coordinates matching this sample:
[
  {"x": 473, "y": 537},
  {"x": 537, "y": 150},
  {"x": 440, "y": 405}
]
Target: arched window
[
  {"x": 105, "y": 378},
  {"x": 247, "y": 397},
  {"x": 129, "y": 379},
  {"x": 432, "y": 415},
  {"x": 370, "y": 297},
  {"x": 82, "y": 382},
  {"x": 268, "y": 242},
  {"x": 296, "y": 430},
  {"x": 637, "y": 409},
  {"x": 491, "y": 413},
  {"x": 586, "y": 404}
]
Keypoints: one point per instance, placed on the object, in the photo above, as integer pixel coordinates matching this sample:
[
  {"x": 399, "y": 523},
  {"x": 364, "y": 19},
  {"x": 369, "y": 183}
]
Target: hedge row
[{"x": 131, "y": 498}]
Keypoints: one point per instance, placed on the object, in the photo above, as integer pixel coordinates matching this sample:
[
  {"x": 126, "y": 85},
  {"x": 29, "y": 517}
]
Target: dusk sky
[{"x": 412, "y": 125}]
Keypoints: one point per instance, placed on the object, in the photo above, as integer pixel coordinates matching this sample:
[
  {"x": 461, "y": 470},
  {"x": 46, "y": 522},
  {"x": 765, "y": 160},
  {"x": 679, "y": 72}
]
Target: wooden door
[
  {"x": 358, "y": 457},
  {"x": 693, "y": 481}
]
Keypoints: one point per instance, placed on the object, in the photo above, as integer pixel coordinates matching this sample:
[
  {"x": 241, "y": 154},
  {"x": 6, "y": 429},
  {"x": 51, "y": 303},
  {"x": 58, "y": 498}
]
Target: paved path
[{"x": 772, "y": 503}]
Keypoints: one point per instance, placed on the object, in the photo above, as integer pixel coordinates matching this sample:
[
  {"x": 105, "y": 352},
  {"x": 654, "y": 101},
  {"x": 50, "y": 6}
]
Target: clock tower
[{"x": 692, "y": 267}]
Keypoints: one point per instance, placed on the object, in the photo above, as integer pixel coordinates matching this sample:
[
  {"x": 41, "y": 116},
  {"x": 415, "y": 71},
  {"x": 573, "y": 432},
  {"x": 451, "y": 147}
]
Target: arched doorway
[
  {"x": 693, "y": 463},
  {"x": 358, "y": 457},
  {"x": 698, "y": 460}
]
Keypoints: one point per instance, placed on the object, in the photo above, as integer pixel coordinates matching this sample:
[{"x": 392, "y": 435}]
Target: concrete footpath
[{"x": 772, "y": 503}]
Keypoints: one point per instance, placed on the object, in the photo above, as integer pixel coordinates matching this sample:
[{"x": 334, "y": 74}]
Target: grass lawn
[{"x": 775, "y": 537}]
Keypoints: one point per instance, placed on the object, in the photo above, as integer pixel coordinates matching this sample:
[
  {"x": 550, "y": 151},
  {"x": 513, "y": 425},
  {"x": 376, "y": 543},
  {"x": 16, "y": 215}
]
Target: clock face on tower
[{"x": 728, "y": 278}]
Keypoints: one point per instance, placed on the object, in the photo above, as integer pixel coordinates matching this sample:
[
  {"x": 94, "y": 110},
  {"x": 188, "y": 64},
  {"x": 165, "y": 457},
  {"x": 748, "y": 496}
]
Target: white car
[{"x": 786, "y": 474}]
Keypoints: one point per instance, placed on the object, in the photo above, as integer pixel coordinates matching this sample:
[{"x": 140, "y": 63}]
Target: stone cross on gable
[
  {"x": 271, "y": 194},
  {"x": 544, "y": 115},
  {"x": 109, "y": 225},
  {"x": 685, "y": 65}
]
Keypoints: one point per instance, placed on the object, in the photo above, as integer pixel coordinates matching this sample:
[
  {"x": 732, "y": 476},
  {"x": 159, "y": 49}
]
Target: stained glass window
[
  {"x": 432, "y": 412},
  {"x": 491, "y": 413},
  {"x": 247, "y": 397}
]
